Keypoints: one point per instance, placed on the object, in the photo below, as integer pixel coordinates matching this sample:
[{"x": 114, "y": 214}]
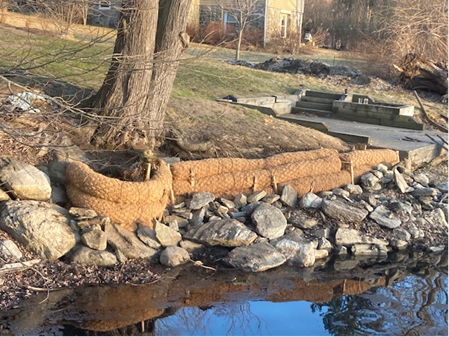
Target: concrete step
[
  {"x": 317, "y": 99},
  {"x": 314, "y": 105},
  {"x": 320, "y": 94},
  {"x": 313, "y": 111}
]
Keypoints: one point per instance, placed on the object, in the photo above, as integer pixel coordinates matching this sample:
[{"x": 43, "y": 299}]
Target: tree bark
[{"x": 135, "y": 92}]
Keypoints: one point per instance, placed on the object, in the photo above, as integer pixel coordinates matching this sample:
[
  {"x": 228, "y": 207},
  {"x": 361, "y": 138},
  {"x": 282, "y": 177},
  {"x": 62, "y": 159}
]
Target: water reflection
[
  {"x": 414, "y": 306},
  {"x": 406, "y": 295}
]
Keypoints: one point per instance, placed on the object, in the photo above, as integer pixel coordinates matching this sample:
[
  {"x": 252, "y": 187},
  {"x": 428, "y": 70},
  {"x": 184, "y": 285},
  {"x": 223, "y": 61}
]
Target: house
[
  {"x": 276, "y": 19},
  {"x": 107, "y": 13}
]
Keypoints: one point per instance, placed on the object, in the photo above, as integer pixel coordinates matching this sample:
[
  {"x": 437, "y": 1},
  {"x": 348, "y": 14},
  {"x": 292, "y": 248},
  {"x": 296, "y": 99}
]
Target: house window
[
  {"x": 104, "y": 5},
  {"x": 230, "y": 23},
  {"x": 284, "y": 24}
]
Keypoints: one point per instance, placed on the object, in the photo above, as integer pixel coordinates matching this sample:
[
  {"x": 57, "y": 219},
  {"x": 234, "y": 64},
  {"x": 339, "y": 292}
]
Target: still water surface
[
  {"x": 415, "y": 306},
  {"x": 403, "y": 295}
]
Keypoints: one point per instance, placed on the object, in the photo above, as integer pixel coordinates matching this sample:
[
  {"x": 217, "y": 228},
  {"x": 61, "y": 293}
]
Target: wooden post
[
  {"x": 148, "y": 171},
  {"x": 351, "y": 169},
  {"x": 254, "y": 184},
  {"x": 275, "y": 184},
  {"x": 172, "y": 194},
  {"x": 192, "y": 177}
]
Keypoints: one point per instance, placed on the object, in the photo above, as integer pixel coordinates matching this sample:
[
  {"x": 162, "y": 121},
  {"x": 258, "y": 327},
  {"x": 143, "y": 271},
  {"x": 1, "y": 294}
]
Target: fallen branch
[{"x": 18, "y": 266}]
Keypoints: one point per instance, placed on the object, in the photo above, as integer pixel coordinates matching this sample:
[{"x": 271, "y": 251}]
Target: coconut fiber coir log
[
  {"x": 210, "y": 167},
  {"x": 372, "y": 157},
  {"x": 125, "y": 215},
  {"x": 319, "y": 183},
  {"x": 257, "y": 179},
  {"x": 85, "y": 179}
]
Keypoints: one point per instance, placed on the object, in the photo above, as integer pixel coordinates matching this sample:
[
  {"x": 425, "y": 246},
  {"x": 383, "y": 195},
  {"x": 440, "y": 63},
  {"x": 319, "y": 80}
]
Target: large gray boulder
[
  {"x": 226, "y": 232},
  {"x": 25, "y": 181},
  {"x": 255, "y": 258},
  {"x": 40, "y": 227},
  {"x": 349, "y": 237},
  {"x": 92, "y": 257},
  {"x": 343, "y": 211},
  {"x": 269, "y": 221},
  {"x": 173, "y": 256},
  {"x": 128, "y": 243}
]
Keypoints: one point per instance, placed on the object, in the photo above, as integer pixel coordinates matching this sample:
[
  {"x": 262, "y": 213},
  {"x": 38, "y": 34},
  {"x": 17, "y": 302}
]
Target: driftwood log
[{"x": 419, "y": 73}]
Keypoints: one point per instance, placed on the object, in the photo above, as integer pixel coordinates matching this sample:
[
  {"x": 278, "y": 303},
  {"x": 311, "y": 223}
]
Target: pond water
[{"x": 406, "y": 294}]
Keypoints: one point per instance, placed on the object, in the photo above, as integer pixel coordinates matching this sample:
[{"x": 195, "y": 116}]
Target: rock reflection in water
[{"x": 375, "y": 297}]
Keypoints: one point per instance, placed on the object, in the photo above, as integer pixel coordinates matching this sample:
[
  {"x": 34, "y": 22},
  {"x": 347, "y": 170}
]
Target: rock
[
  {"x": 369, "y": 180},
  {"x": 442, "y": 217},
  {"x": 382, "y": 168},
  {"x": 421, "y": 179},
  {"x": 385, "y": 218},
  {"x": 343, "y": 211},
  {"x": 255, "y": 258},
  {"x": 414, "y": 231},
  {"x": 199, "y": 200},
  {"x": 271, "y": 198},
  {"x": 95, "y": 239},
  {"x": 9, "y": 250},
  {"x": 289, "y": 196},
  {"x": 3, "y": 196},
  {"x": 425, "y": 192},
  {"x": 369, "y": 250},
  {"x": 398, "y": 244},
  {"x": 228, "y": 203},
  {"x": 354, "y": 189},
  {"x": 269, "y": 221},
  {"x": 249, "y": 208},
  {"x": 127, "y": 242},
  {"x": 173, "y": 256},
  {"x": 301, "y": 220},
  {"x": 58, "y": 195},
  {"x": 310, "y": 200},
  {"x": 321, "y": 254},
  {"x": 63, "y": 156},
  {"x": 40, "y": 227},
  {"x": 191, "y": 247},
  {"x": 166, "y": 235},
  {"x": 341, "y": 250},
  {"x": 91, "y": 257},
  {"x": 256, "y": 196},
  {"x": 148, "y": 236},
  {"x": 443, "y": 187},
  {"x": 341, "y": 192},
  {"x": 80, "y": 213},
  {"x": 297, "y": 253},
  {"x": 306, "y": 255},
  {"x": 23, "y": 180},
  {"x": 226, "y": 232},
  {"x": 240, "y": 200},
  {"x": 286, "y": 247},
  {"x": 324, "y": 244},
  {"x": 350, "y": 237},
  {"x": 400, "y": 181},
  {"x": 182, "y": 222},
  {"x": 402, "y": 234}
]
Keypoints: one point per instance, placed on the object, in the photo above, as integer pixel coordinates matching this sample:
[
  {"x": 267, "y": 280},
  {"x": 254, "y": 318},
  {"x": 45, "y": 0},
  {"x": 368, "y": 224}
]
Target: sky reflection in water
[{"x": 255, "y": 318}]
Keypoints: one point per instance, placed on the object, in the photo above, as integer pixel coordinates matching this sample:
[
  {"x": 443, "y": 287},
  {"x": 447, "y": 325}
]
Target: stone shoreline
[{"x": 389, "y": 210}]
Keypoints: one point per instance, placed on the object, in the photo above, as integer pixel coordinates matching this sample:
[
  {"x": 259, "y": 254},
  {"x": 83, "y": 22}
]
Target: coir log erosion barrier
[{"x": 128, "y": 203}]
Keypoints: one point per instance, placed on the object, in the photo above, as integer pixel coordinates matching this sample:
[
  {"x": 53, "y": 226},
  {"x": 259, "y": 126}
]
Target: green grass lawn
[{"x": 203, "y": 72}]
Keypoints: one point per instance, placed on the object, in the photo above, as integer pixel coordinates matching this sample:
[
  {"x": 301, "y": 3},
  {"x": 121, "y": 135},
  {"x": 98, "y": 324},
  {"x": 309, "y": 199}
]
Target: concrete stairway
[{"x": 319, "y": 103}]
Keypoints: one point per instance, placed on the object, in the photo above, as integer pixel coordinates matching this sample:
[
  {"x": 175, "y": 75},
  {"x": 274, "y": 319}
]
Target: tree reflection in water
[
  {"x": 234, "y": 318},
  {"x": 413, "y": 306}
]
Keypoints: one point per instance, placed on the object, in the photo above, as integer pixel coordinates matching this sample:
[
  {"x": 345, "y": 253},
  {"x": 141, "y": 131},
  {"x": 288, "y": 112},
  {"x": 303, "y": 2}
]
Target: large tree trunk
[
  {"x": 135, "y": 92},
  {"x": 419, "y": 73}
]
